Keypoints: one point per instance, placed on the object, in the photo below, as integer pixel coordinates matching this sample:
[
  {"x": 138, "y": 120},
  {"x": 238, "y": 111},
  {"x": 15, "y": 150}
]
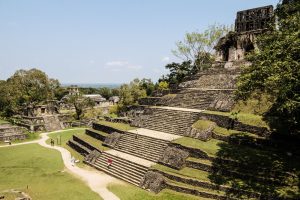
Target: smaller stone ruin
[{"x": 9, "y": 132}]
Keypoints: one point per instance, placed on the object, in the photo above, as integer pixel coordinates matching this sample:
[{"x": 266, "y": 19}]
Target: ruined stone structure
[
  {"x": 248, "y": 24},
  {"x": 161, "y": 120},
  {"x": 9, "y": 132},
  {"x": 43, "y": 117}
]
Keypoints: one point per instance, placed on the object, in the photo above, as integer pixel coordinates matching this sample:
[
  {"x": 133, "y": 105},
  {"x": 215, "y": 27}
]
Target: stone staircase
[
  {"x": 121, "y": 168},
  {"x": 166, "y": 120},
  {"x": 192, "y": 98},
  {"x": 52, "y": 123},
  {"x": 142, "y": 146}
]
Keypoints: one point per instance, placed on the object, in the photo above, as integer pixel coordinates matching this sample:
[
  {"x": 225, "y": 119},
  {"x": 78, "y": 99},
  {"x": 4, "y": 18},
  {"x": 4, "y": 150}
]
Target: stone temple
[{"x": 160, "y": 122}]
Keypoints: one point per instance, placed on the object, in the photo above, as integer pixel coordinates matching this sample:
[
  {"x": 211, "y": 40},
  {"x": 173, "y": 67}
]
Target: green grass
[
  {"x": 42, "y": 170},
  {"x": 203, "y": 124},
  {"x": 96, "y": 143},
  {"x": 65, "y": 137},
  {"x": 3, "y": 121},
  {"x": 120, "y": 126},
  {"x": 211, "y": 147},
  {"x": 199, "y": 160},
  {"x": 246, "y": 118},
  {"x": 228, "y": 132},
  {"x": 185, "y": 172},
  {"x": 130, "y": 192}
]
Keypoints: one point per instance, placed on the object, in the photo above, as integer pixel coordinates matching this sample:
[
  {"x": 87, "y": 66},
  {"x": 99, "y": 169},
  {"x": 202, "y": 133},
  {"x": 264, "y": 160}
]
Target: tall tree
[
  {"x": 199, "y": 47},
  {"x": 275, "y": 69}
]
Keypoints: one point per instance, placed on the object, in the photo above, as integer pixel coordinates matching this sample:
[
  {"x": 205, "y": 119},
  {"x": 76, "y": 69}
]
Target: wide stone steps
[
  {"x": 121, "y": 168},
  {"x": 142, "y": 146},
  {"x": 168, "y": 121}
]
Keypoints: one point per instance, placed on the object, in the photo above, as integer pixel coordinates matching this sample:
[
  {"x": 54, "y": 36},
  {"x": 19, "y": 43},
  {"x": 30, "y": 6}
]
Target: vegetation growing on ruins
[
  {"x": 196, "y": 51},
  {"x": 42, "y": 170},
  {"x": 26, "y": 87},
  {"x": 135, "y": 193},
  {"x": 275, "y": 70}
]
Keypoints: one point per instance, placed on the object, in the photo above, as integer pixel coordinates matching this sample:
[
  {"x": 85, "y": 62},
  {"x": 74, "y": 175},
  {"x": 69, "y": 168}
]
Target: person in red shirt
[{"x": 109, "y": 162}]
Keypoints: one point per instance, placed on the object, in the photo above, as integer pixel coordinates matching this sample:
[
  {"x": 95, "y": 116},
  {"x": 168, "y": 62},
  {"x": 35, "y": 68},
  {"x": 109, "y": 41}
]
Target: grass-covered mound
[{"x": 42, "y": 170}]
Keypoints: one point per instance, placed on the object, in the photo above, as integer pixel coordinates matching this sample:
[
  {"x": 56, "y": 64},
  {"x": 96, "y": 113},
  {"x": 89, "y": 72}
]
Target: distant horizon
[{"x": 93, "y": 85}]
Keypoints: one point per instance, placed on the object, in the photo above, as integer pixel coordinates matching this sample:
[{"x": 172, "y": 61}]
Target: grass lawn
[
  {"x": 120, "y": 126},
  {"x": 65, "y": 137},
  {"x": 40, "y": 169},
  {"x": 246, "y": 118},
  {"x": 211, "y": 147},
  {"x": 186, "y": 172},
  {"x": 130, "y": 192},
  {"x": 3, "y": 121},
  {"x": 203, "y": 124},
  {"x": 96, "y": 143}
]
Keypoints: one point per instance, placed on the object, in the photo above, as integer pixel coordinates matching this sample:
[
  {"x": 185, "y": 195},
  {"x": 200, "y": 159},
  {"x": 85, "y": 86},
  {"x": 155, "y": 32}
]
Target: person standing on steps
[{"x": 109, "y": 162}]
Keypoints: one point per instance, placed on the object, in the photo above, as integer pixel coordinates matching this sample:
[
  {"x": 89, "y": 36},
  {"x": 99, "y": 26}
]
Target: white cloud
[
  {"x": 92, "y": 62},
  {"x": 134, "y": 67},
  {"x": 165, "y": 59},
  {"x": 117, "y": 63}
]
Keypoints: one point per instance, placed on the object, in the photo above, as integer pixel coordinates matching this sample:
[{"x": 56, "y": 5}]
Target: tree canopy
[
  {"x": 275, "y": 69},
  {"x": 26, "y": 87}
]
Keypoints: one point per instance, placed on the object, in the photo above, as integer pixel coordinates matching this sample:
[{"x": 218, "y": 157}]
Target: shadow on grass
[{"x": 247, "y": 164}]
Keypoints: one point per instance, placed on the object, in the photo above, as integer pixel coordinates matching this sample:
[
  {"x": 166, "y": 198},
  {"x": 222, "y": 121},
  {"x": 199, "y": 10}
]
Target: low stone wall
[
  {"x": 196, "y": 153},
  {"x": 196, "y": 192},
  {"x": 95, "y": 135},
  {"x": 106, "y": 129},
  {"x": 85, "y": 144},
  {"x": 207, "y": 185},
  {"x": 227, "y": 122},
  {"x": 80, "y": 149}
]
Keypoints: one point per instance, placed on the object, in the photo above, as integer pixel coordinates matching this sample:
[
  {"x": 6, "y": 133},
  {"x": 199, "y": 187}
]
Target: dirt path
[{"x": 96, "y": 180}]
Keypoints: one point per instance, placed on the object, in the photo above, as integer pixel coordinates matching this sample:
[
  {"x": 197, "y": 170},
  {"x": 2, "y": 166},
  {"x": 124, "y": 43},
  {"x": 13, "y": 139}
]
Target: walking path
[
  {"x": 96, "y": 180},
  {"x": 155, "y": 134}
]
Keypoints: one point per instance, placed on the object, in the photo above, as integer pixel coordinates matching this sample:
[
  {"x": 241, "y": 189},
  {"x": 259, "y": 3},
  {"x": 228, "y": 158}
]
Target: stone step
[
  {"x": 121, "y": 166},
  {"x": 142, "y": 154},
  {"x": 137, "y": 142},
  {"x": 144, "y": 138},
  {"x": 117, "y": 175},
  {"x": 133, "y": 145},
  {"x": 150, "y": 158},
  {"x": 78, "y": 147},
  {"x": 137, "y": 165}
]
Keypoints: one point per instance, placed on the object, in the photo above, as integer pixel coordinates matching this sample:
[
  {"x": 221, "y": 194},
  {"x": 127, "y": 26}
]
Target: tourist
[{"x": 109, "y": 162}]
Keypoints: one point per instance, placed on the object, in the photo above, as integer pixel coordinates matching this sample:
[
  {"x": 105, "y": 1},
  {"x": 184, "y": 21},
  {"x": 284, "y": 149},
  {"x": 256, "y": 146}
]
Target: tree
[
  {"x": 275, "y": 69},
  {"x": 147, "y": 85},
  {"x": 130, "y": 94},
  {"x": 199, "y": 47},
  {"x": 163, "y": 85},
  {"x": 105, "y": 92},
  {"x": 26, "y": 87},
  {"x": 80, "y": 103},
  {"x": 178, "y": 71}
]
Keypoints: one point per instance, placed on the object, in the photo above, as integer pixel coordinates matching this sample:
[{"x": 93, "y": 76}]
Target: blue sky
[{"x": 97, "y": 41}]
